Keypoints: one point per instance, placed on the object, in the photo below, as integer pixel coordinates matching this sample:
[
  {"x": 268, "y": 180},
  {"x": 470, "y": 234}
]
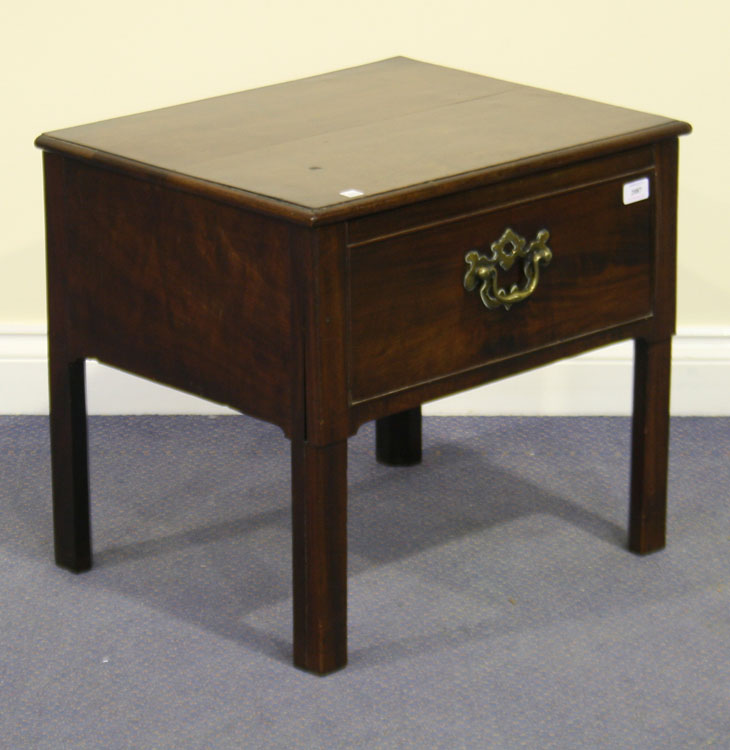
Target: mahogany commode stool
[{"x": 343, "y": 248}]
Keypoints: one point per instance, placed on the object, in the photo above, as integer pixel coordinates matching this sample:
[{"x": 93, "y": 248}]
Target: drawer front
[{"x": 413, "y": 321}]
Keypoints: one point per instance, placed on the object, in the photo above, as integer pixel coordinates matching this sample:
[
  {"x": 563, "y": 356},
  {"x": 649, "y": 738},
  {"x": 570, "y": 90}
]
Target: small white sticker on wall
[
  {"x": 351, "y": 193},
  {"x": 635, "y": 191}
]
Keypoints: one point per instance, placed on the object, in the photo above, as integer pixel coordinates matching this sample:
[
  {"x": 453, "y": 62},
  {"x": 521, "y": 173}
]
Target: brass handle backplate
[{"x": 505, "y": 252}]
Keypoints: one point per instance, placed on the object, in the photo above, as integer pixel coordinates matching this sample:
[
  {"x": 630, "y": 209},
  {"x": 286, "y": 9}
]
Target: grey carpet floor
[{"x": 492, "y": 601}]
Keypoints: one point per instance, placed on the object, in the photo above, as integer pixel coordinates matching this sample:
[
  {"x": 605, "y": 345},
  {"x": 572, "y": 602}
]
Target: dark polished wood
[
  {"x": 214, "y": 247},
  {"x": 69, "y": 464},
  {"x": 415, "y": 323},
  {"x": 650, "y": 446},
  {"x": 398, "y": 438},
  {"x": 69, "y": 451},
  {"x": 319, "y": 525},
  {"x": 147, "y": 265},
  {"x": 395, "y": 129}
]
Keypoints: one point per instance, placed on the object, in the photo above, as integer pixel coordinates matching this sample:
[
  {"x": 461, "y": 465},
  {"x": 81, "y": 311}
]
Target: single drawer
[{"x": 413, "y": 321}]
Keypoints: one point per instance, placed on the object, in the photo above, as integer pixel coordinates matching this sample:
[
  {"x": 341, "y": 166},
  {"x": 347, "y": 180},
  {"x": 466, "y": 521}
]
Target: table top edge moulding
[{"x": 302, "y": 170}]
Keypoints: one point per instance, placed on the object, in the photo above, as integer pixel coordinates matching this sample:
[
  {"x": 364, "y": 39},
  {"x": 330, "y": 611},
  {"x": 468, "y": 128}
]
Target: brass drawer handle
[{"x": 505, "y": 251}]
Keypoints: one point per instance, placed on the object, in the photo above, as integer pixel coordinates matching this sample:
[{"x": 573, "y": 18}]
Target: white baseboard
[{"x": 596, "y": 383}]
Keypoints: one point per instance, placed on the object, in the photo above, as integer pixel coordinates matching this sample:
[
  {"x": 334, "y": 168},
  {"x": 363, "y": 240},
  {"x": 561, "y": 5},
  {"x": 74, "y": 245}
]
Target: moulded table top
[{"x": 382, "y": 129}]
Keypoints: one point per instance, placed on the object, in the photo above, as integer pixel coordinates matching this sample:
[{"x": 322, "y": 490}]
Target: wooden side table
[{"x": 343, "y": 248}]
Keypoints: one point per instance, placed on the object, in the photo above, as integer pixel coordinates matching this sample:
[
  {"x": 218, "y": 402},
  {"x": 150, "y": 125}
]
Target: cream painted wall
[{"x": 64, "y": 64}]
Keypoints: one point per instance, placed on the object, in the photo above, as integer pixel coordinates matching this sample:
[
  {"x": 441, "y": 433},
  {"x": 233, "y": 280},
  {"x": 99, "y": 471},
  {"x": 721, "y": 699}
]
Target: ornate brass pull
[{"x": 505, "y": 251}]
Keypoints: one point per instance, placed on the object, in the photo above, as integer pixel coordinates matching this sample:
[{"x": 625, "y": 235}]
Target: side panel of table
[
  {"x": 178, "y": 288},
  {"x": 174, "y": 287}
]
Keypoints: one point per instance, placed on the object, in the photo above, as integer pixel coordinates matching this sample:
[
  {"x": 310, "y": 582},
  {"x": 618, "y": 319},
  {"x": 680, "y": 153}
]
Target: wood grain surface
[{"x": 378, "y": 128}]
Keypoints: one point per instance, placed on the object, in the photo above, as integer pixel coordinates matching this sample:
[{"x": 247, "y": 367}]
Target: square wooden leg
[
  {"x": 650, "y": 446},
  {"x": 69, "y": 464},
  {"x": 319, "y": 529},
  {"x": 398, "y": 438}
]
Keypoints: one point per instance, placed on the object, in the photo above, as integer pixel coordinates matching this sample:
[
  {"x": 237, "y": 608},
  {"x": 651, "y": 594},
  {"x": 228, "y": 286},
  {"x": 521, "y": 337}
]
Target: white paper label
[
  {"x": 351, "y": 193},
  {"x": 636, "y": 191}
]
